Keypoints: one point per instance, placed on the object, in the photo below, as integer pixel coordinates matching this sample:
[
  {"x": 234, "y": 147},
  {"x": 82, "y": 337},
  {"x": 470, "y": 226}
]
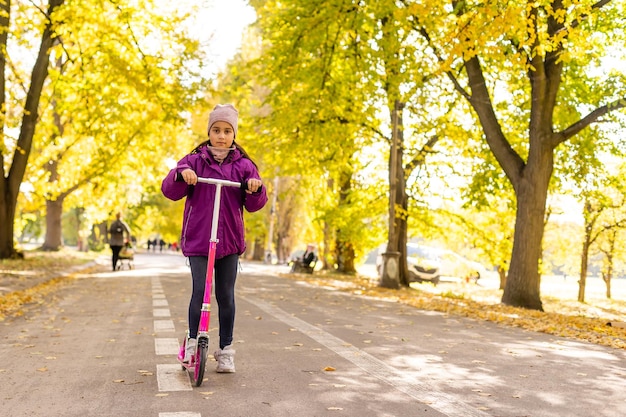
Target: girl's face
[{"x": 221, "y": 135}]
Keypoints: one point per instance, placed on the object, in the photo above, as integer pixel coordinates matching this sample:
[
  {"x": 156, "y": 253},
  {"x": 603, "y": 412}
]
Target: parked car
[{"x": 428, "y": 264}]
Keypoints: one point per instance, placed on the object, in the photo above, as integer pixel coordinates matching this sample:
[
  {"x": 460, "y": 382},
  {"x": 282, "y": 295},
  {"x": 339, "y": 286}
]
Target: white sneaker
[
  {"x": 190, "y": 350},
  {"x": 225, "y": 359}
]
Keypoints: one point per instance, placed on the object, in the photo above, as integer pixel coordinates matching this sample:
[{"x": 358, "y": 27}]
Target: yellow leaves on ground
[
  {"x": 11, "y": 304},
  {"x": 563, "y": 318},
  {"x": 31, "y": 279}
]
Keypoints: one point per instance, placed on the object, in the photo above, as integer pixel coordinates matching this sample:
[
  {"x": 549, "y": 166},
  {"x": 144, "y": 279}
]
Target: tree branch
[
  {"x": 420, "y": 157},
  {"x": 590, "y": 118}
]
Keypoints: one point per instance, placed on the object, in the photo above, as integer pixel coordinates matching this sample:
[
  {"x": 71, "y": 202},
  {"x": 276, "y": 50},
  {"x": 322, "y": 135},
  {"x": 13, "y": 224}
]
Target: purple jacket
[{"x": 196, "y": 231}]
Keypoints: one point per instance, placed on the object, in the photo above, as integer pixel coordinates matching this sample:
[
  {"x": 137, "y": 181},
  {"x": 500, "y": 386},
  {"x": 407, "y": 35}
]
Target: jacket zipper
[{"x": 184, "y": 239}]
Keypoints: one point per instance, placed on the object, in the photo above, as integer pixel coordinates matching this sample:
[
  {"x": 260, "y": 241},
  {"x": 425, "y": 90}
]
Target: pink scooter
[{"x": 197, "y": 363}]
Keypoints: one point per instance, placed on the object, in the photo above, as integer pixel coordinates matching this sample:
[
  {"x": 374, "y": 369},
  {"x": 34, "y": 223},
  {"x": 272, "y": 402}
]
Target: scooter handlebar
[{"x": 216, "y": 181}]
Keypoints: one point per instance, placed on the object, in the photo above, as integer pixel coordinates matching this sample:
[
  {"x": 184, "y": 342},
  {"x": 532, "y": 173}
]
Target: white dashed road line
[
  {"x": 166, "y": 346},
  {"x": 170, "y": 377},
  {"x": 162, "y": 302},
  {"x": 163, "y": 326},
  {"x": 161, "y": 312},
  {"x": 421, "y": 391}
]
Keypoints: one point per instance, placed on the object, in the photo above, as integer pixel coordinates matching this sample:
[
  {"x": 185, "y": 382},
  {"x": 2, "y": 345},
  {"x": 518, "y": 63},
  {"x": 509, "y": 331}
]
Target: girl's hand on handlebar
[
  {"x": 189, "y": 176},
  {"x": 254, "y": 185}
]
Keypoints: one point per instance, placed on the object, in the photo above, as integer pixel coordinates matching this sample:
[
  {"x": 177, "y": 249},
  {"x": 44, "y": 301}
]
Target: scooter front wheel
[{"x": 201, "y": 359}]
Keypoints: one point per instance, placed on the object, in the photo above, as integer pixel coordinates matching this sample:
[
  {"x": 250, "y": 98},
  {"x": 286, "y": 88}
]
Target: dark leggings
[
  {"x": 224, "y": 287},
  {"x": 116, "y": 255}
]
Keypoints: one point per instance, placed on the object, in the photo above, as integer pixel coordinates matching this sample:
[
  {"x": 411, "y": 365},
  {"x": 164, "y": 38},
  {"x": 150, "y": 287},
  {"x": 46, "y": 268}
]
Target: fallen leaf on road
[
  {"x": 329, "y": 369},
  {"x": 334, "y": 408},
  {"x": 44, "y": 369},
  {"x": 118, "y": 381}
]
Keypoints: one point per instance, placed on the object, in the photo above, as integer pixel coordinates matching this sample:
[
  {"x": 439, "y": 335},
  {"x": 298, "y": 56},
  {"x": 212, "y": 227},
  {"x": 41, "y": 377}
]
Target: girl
[{"x": 218, "y": 157}]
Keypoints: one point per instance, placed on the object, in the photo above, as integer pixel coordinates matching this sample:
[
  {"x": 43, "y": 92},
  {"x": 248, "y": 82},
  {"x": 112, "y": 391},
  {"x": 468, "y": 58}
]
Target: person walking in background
[
  {"x": 117, "y": 230},
  {"x": 218, "y": 157}
]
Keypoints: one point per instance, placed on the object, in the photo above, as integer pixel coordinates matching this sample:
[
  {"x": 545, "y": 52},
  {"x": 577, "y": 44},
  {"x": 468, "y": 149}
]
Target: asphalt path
[{"x": 106, "y": 345}]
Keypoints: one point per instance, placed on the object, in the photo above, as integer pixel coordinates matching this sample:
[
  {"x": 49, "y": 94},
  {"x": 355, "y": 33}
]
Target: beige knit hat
[{"x": 224, "y": 113}]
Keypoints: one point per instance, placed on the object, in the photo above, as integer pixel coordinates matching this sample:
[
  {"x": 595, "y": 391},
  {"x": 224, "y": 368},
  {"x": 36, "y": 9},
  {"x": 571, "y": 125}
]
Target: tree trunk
[
  {"x": 502, "y": 275},
  {"x": 259, "y": 249},
  {"x": 98, "y": 237},
  {"x": 399, "y": 199},
  {"x": 7, "y": 216},
  {"x": 345, "y": 257},
  {"x": 9, "y": 184},
  {"x": 8, "y": 193},
  {"x": 584, "y": 260},
  {"x": 582, "y": 282},
  {"x": 344, "y": 250},
  {"x": 606, "y": 277},
  {"x": 403, "y": 227},
  {"x": 54, "y": 221},
  {"x": 522, "y": 287}
]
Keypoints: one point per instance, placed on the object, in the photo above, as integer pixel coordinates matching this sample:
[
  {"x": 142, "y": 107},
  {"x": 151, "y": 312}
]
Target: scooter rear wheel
[{"x": 201, "y": 359}]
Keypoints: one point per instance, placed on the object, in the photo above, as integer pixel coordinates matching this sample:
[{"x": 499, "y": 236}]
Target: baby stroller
[{"x": 127, "y": 256}]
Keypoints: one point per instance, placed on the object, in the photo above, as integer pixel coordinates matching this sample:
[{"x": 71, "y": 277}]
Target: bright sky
[{"x": 220, "y": 25}]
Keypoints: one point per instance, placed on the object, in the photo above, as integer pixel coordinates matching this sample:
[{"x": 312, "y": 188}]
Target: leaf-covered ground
[
  {"x": 30, "y": 280},
  {"x": 33, "y": 280},
  {"x": 563, "y": 315}
]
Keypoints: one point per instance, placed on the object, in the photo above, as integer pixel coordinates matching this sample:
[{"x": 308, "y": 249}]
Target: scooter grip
[{"x": 244, "y": 186}]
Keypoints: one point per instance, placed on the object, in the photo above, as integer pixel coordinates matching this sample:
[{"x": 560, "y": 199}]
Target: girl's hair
[{"x": 238, "y": 146}]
